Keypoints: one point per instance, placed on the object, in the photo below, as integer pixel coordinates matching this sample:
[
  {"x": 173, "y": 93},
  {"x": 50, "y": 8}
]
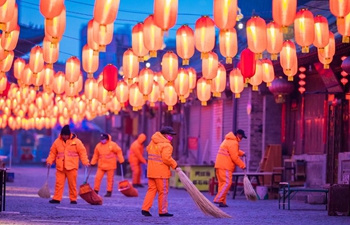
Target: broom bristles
[
  {"x": 44, "y": 191},
  {"x": 249, "y": 190},
  {"x": 199, "y": 199}
]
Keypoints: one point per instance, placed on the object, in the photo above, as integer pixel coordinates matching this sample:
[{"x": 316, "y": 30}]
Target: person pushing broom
[
  {"x": 158, "y": 171},
  {"x": 226, "y": 160}
]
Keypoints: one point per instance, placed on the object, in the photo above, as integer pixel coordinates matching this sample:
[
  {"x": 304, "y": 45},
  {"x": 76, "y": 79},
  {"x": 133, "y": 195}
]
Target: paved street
[{"x": 23, "y": 206}]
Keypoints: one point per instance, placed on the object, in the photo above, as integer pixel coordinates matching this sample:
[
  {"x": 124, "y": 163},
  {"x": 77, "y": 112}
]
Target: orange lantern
[
  {"x": 192, "y": 74},
  {"x": 130, "y": 65},
  {"x": 52, "y": 8},
  {"x": 6, "y": 64},
  {"x": 236, "y": 82},
  {"x": 114, "y": 105},
  {"x": 210, "y": 66},
  {"x": 70, "y": 91},
  {"x": 170, "y": 96},
  {"x": 90, "y": 38},
  {"x": 274, "y": 39},
  {"x": 102, "y": 35},
  {"x": 146, "y": 82},
  {"x": 152, "y": 36},
  {"x": 228, "y": 44},
  {"x": 327, "y": 54},
  {"x": 218, "y": 84},
  {"x": 90, "y": 61},
  {"x": 90, "y": 89},
  {"x": 13, "y": 23},
  {"x": 165, "y": 13},
  {"x": 170, "y": 66},
  {"x": 59, "y": 82},
  {"x": 203, "y": 91},
  {"x": 38, "y": 80},
  {"x": 27, "y": 76},
  {"x": 102, "y": 95},
  {"x": 122, "y": 92},
  {"x": 105, "y": 11},
  {"x": 6, "y": 12},
  {"x": 79, "y": 84},
  {"x": 257, "y": 79},
  {"x": 303, "y": 24},
  {"x": 56, "y": 27},
  {"x": 3, "y": 84},
  {"x": 321, "y": 32},
  {"x": 204, "y": 35},
  {"x": 344, "y": 29},
  {"x": 39, "y": 102},
  {"x": 36, "y": 60},
  {"x": 225, "y": 13},
  {"x": 181, "y": 84},
  {"x": 290, "y": 73},
  {"x": 256, "y": 35},
  {"x": 72, "y": 70},
  {"x": 9, "y": 40},
  {"x": 339, "y": 9},
  {"x": 138, "y": 46},
  {"x": 48, "y": 78},
  {"x": 185, "y": 43},
  {"x": 47, "y": 99},
  {"x": 283, "y": 12},
  {"x": 50, "y": 52},
  {"x": 159, "y": 78},
  {"x": 155, "y": 94},
  {"x": 81, "y": 107},
  {"x": 135, "y": 97},
  {"x": 3, "y": 53},
  {"x": 268, "y": 72},
  {"x": 288, "y": 55}
]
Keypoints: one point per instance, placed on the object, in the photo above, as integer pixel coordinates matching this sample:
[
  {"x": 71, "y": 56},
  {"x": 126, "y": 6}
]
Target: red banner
[{"x": 192, "y": 143}]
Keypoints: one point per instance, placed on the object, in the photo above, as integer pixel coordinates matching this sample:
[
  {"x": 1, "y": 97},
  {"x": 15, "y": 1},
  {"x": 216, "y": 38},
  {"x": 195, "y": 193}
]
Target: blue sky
[{"x": 79, "y": 12}]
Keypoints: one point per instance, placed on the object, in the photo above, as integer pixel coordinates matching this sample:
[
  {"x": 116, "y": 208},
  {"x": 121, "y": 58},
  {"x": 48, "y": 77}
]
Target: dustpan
[
  {"x": 44, "y": 191},
  {"x": 87, "y": 193},
  {"x": 125, "y": 187}
]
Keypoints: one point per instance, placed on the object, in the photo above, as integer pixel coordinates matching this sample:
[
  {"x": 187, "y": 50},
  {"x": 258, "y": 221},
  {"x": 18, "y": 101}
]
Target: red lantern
[
  {"x": 146, "y": 82},
  {"x": 256, "y": 35},
  {"x": 344, "y": 29},
  {"x": 339, "y": 9},
  {"x": 274, "y": 39},
  {"x": 165, "y": 13},
  {"x": 13, "y": 23},
  {"x": 50, "y": 52},
  {"x": 210, "y": 66},
  {"x": 204, "y": 35},
  {"x": 48, "y": 78},
  {"x": 280, "y": 88},
  {"x": 18, "y": 67},
  {"x": 6, "y": 64},
  {"x": 185, "y": 43},
  {"x": 228, "y": 44},
  {"x": 247, "y": 64},
  {"x": 6, "y": 12},
  {"x": 152, "y": 36},
  {"x": 103, "y": 36},
  {"x": 90, "y": 61},
  {"x": 110, "y": 77},
  {"x": 3, "y": 84},
  {"x": 288, "y": 55},
  {"x": 283, "y": 12},
  {"x": 70, "y": 90},
  {"x": 36, "y": 60},
  {"x": 38, "y": 80},
  {"x": 225, "y": 13},
  {"x": 290, "y": 73},
  {"x": 105, "y": 11},
  {"x": 327, "y": 54},
  {"x": 56, "y": 28},
  {"x": 52, "y": 8},
  {"x": 138, "y": 46},
  {"x": 90, "y": 37},
  {"x": 170, "y": 66},
  {"x": 9, "y": 40},
  {"x": 72, "y": 70},
  {"x": 303, "y": 24},
  {"x": 321, "y": 32}
]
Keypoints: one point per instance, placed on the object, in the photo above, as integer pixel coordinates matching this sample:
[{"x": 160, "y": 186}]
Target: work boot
[
  {"x": 108, "y": 194},
  {"x": 96, "y": 191},
  {"x": 166, "y": 215},
  {"x": 73, "y": 202},
  {"x": 222, "y": 205},
  {"x": 145, "y": 213},
  {"x": 53, "y": 201}
]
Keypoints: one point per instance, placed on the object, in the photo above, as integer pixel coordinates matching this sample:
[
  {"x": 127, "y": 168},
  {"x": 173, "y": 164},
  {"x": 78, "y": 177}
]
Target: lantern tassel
[
  {"x": 290, "y": 78},
  {"x": 185, "y": 62},
  {"x": 170, "y": 108},
  {"x": 255, "y": 88},
  {"x": 102, "y": 48},
  {"x": 204, "y": 103},
  {"x": 228, "y": 60},
  {"x": 152, "y": 104},
  {"x": 274, "y": 56},
  {"x": 237, "y": 95},
  {"x": 135, "y": 109},
  {"x": 153, "y": 54},
  {"x": 305, "y": 49},
  {"x": 325, "y": 66},
  {"x": 141, "y": 59},
  {"x": 346, "y": 39},
  {"x": 204, "y": 55},
  {"x": 90, "y": 75}
]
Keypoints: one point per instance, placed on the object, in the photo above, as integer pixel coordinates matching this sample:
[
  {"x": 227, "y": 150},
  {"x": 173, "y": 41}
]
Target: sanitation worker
[
  {"x": 158, "y": 171},
  {"x": 66, "y": 151},
  {"x": 226, "y": 160},
  {"x": 106, "y": 154},
  {"x": 136, "y": 159}
]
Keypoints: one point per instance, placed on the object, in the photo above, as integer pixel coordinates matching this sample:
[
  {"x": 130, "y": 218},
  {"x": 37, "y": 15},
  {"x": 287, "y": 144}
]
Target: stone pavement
[{"x": 23, "y": 206}]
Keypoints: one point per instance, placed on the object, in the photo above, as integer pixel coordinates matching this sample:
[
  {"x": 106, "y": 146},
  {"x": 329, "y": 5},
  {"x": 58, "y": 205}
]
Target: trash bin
[{"x": 262, "y": 192}]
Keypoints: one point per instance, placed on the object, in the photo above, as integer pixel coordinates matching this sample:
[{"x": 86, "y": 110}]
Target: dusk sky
[{"x": 79, "y": 12}]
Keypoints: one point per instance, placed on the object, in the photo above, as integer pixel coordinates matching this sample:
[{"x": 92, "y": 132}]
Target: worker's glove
[
  {"x": 48, "y": 164},
  {"x": 245, "y": 169}
]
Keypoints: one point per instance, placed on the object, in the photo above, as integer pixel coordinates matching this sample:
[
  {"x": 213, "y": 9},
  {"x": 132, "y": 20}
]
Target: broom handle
[
  {"x": 48, "y": 172},
  {"x": 122, "y": 172},
  {"x": 245, "y": 162},
  {"x": 87, "y": 177}
]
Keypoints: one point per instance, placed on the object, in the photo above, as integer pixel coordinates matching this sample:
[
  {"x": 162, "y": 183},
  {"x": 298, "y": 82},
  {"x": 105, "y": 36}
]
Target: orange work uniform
[
  {"x": 136, "y": 158},
  {"x": 66, "y": 155},
  {"x": 106, "y": 156},
  {"x": 158, "y": 172},
  {"x": 226, "y": 160}
]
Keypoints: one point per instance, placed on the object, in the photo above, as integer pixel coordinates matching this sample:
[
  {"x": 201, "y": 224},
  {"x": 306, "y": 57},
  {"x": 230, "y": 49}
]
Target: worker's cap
[
  {"x": 104, "y": 136},
  {"x": 167, "y": 130},
  {"x": 241, "y": 132},
  {"x": 65, "y": 130}
]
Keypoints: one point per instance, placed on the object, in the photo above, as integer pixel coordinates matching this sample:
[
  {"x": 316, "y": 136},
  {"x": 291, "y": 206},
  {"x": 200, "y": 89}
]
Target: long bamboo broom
[
  {"x": 44, "y": 191},
  {"x": 199, "y": 199},
  {"x": 249, "y": 191}
]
